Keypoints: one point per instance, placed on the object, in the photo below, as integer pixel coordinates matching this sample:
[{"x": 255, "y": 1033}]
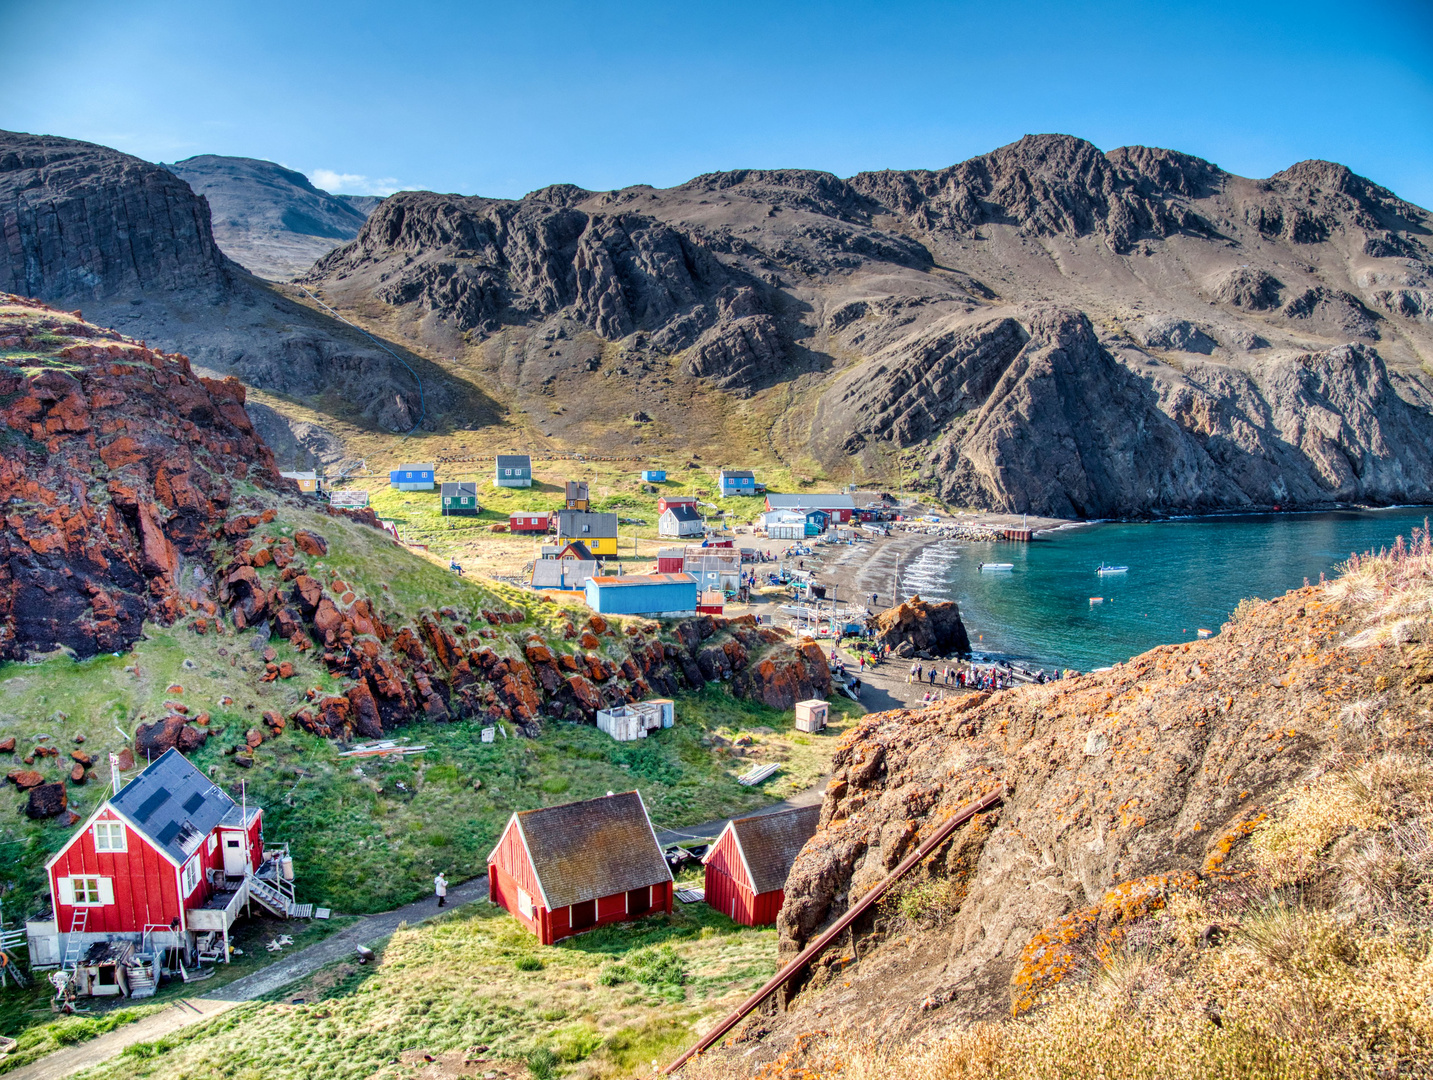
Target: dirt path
[{"x": 192, "y": 1010}]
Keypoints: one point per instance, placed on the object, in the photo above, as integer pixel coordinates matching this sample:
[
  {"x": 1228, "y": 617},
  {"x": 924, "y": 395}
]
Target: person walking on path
[
  {"x": 440, "y": 887},
  {"x": 912, "y": 675}
]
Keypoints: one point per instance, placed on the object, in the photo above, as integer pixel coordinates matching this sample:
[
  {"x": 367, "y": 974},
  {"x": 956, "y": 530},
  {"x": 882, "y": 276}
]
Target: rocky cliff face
[
  {"x": 133, "y": 244},
  {"x": 1045, "y": 328},
  {"x": 82, "y": 221},
  {"x": 117, "y": 465},
  {"x": 1123, "y": 790}
]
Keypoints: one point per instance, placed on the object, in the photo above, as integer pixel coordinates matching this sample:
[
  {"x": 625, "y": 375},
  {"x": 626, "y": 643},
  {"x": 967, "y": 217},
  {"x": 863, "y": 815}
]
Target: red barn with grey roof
[
  {"x": 748, "y": 865},
  {"x": 565, "y": 869}
]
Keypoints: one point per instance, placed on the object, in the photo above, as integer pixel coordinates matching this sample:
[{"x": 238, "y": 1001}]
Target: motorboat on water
[
  {"x": 997, "y": 566},
  {"x": 1202, "y": 632},
  {"x": 1112, "y": 570}
]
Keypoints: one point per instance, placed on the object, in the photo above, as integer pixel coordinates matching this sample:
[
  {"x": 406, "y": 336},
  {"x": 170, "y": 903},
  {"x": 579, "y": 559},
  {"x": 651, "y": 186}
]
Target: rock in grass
[{"x": 47, "y": 801}]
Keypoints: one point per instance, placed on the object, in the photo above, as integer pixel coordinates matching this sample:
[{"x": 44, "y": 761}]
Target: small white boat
[
  {"x": 1204, "y": 633},
  {"x": 1112, "y": 570},
  {"x": 1096, "y": 600},
  {"x": 997, "y": 566}
]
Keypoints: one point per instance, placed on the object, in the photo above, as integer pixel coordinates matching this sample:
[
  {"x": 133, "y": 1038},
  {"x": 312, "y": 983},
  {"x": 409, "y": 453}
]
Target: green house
[{"x": 461, "y": 497}]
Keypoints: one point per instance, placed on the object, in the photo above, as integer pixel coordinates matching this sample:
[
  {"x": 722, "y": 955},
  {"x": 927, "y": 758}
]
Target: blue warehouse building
[
  {"x": 643, "y": 594},
  {"x": 412, "y": 477}
]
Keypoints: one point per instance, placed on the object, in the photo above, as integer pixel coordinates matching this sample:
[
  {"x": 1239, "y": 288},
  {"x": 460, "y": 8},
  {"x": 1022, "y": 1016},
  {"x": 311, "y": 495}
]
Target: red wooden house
[
  {"x": 167, "y": 862},
  {"x": 528, "y": 521},
  {"x": 565, "y": 869},
  {"x": 748, "y": 865},
  {"x": 665, "y": 501}
]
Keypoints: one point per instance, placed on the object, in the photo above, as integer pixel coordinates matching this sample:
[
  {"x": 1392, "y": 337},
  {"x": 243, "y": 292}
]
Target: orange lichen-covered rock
[{"x": 117, "y": 472}]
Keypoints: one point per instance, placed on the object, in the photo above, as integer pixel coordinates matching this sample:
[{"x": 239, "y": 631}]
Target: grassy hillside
[
  {"x": 475, "y": 988},
  {"x": 370, "y": 835}
]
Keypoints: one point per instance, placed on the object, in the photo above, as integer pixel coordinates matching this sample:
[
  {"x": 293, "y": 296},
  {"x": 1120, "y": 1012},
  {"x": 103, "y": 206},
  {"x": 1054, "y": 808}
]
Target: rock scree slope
[{"x": 269, "y": 219}]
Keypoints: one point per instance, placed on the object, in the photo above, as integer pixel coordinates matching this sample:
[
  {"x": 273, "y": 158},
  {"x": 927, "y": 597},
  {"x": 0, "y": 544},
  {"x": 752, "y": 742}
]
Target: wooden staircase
[{"x": 276, "y": 900}]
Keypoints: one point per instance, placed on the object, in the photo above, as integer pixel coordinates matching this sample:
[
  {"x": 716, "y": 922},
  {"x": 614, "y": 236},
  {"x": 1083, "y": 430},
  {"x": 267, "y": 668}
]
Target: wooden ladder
[{"x": 819, "y": 945}]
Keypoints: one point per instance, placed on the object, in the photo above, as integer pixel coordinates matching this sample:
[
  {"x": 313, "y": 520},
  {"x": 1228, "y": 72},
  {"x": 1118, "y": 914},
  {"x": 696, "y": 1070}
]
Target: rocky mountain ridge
[{"x": 1142, "y": 311}]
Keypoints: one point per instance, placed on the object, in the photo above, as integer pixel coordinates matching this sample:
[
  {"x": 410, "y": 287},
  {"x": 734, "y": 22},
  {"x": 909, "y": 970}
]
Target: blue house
[
  {"x": 513, "y": 470},
  {"x": 654, "y": 476},
  {"x": 817, "y": 522},
  {"x": 739, "y": 482},
  {"x": 642, "y": 594},
  {"x": 411, "y": 477}
]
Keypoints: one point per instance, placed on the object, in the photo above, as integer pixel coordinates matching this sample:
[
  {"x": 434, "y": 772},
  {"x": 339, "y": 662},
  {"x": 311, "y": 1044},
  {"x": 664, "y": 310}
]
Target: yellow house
[
  {"x": 598, "y": 532},
  {"x": 307, "y": 481}
]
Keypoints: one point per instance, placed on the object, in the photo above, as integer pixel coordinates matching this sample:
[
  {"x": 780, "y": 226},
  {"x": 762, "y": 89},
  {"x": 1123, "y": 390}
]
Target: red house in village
[
  {"x": 748, "y": 865},
  {"x": 565, "y": 869},
  {"x": 167, "y": 862},
  {"x": 664, "y": 502},
  {"x": 528, "y": 521}
]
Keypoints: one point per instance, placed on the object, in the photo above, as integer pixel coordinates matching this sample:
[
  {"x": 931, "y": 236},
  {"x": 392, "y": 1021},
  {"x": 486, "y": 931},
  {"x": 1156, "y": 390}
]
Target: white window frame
[
  {"x": 86, "y": 890},
  {"x": 213, "y": 842},
  {"x": 189, "y": 877},
  {"x": 109, "y": 829},
  {"x": 524, "y": 903}
]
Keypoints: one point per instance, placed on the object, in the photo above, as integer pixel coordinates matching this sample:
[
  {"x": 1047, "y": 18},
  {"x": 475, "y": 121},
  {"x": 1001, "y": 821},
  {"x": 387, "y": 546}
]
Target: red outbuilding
[
  {"x": 664, "y": 501},
  {"x": 748, "y": 865},
  {"x": 670, "y": 560},
  {"x": 170, "y": 859},
  {"x": 565, "y": 869},
  {"x": 528, "y": 521}
]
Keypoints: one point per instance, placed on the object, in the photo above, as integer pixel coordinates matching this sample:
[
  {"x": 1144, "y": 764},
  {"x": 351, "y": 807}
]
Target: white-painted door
[{"x": 233, "y": 853}]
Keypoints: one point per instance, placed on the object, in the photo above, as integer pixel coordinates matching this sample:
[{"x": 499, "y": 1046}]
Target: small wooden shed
[
  {"x": 654, "y": 476},
  {"x": 747, "y": 867},
  {"x": 811, "y": 715},
  {"x": 577, "y": 495},
  {"x": 564, "y": 869}
]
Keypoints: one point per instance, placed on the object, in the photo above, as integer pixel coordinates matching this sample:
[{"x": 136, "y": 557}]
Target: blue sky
[{"x": 499, "y": 99}]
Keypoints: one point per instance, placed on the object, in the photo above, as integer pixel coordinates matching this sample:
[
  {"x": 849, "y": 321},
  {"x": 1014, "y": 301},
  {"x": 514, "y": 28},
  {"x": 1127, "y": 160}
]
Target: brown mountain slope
[
  {"x": 1179, "y": 332},
  {"x": 133, "y": 245},
  {"x": 1234, "y": 828}
]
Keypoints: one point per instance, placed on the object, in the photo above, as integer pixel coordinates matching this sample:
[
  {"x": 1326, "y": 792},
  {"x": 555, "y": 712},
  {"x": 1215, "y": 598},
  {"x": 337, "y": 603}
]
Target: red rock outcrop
[{"x": 120, "y": 462}]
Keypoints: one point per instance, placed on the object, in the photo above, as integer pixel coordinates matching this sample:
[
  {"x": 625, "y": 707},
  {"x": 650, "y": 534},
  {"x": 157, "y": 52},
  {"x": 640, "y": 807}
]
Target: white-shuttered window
[
  {"x": 213, "y": 842},
  {"x": 86, "y": 891},
  {"x": 524, "y": 903},
  {"x": 109, "y": 836},
  {"x": 191, "y": 877}
]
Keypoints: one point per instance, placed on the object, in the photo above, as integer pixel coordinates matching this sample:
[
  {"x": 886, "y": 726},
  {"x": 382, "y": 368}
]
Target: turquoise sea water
[{"x": 1183, "y": 575}]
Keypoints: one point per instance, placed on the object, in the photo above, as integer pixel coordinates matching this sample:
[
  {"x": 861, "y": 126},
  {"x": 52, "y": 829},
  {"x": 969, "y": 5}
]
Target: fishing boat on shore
[
  {"x": 997, "y": 566},
  {"x": 1103, "y": 570}
]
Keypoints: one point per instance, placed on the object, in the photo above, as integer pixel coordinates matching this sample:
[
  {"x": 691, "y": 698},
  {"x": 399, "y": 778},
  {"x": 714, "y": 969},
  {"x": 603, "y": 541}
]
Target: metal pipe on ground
[{"x": 819, "y": 945}]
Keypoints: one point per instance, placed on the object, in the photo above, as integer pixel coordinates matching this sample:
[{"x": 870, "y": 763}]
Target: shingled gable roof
[
  {"x": 769, "y": 844},
  {"x": 684, "y": 511},
  {"x": 173, "y": 805},
  {"x": 584, "y": 850}
]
